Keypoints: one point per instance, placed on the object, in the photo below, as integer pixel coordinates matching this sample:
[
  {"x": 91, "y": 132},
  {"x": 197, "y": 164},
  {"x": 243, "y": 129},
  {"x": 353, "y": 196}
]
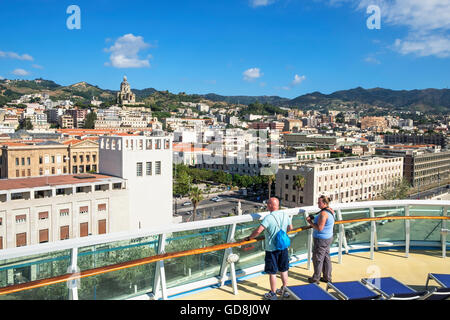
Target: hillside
[{"x": 433, "y": 101}]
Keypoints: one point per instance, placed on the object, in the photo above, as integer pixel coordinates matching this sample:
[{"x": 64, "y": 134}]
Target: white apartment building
[
  {"x": 342, "y": 180},
  {"x": 46, "y": 209},
  {"x": 146, "y": 163}
]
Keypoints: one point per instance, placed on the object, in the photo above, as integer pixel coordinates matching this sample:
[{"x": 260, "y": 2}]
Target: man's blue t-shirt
[{"x": 272, "y": 223}]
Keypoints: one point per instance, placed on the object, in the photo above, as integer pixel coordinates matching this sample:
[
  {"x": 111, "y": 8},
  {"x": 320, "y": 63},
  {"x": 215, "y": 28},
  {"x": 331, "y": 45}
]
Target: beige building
[
  {"x": 374, "y": 123},
  {"x": 33, "y": 160},
  {"x": 47, "y": 209},
  {"x": 66, "y": 121},
  {"x": 83, "y": 155},
  {"x": 343, "y": 180}
]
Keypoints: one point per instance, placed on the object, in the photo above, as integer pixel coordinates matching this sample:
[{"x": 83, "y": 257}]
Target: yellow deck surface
[{"x": 411, "y": 271}]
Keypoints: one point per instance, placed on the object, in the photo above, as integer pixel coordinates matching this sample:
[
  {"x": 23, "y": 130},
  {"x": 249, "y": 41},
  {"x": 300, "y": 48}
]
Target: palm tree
[
  {"x": 299, "y": 183},
  {"x": 195, "y": 195},
  {"x": 270, "y": 180}
]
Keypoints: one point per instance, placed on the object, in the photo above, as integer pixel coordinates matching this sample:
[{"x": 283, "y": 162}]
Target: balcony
[{"x": 189, "y": 260}]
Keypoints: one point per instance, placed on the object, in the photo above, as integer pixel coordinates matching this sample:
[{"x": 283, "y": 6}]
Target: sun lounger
[
  {"x": 309, "y": 292},
  {"x": 353, "y": 290},
  {"x": 393, "y": 289},
  {"x": 442, "y": 279}
]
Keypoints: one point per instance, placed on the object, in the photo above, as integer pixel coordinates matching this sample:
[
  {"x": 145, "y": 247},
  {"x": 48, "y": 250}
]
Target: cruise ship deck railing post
[
  {"x": 341, "y": 235},
  {"x": 444, "y": 233},
  {"x": 225, "y": 263},
  {"x": 407, "y": 232},
  {"x": 372, "y": 233},
  {"x": 73, "y": 284},
  {"x": 309, "y": 244},
  {"x": 160, "y": 285}
]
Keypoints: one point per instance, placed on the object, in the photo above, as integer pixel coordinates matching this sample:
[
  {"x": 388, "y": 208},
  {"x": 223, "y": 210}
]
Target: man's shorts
[{"x": 276, "y": 261}]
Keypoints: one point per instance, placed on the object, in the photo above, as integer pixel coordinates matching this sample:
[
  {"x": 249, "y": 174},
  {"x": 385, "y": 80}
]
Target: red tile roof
[{"x": 33, "y": 182}]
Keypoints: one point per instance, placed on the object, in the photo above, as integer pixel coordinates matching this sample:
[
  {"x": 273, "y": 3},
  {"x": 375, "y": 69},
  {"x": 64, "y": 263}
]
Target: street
[{"x": 208, "y": 209}]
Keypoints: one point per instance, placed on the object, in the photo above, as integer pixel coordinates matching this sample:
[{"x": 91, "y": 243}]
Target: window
[
  {"x": 53, "y": 159},
  {"x": 64, "y": 233},
  {"x": 158, "y": 144},
  {"x": 148, "y": 168},
  {"x": 17, "y": 161},
  {"x": 21, "y": 239},
  {"x": 84, "y": 210},
  {"x": 139, "y": 169},
  {"x": 84, "y": 229},
  {"x": 102, "y": 226},
  {"x": 23, "y": 161},
  {"x": 149, "y": 144},
  {"x": 28, "y": 161},
  {"x": 43, "y": 236},
  {"x": 40, "y": 160},
  {"x": 64, "y": 212},
  {"x": 43, "y": 215},
  {"x": 157, "y": 167},
  {"x": 101, "y": 207},
  {"x": 21, "y": 218}
]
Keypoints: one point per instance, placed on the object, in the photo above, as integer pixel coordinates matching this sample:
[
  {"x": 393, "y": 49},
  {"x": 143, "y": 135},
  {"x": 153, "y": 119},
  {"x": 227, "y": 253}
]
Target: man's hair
[{"x": 325, "y": 199}]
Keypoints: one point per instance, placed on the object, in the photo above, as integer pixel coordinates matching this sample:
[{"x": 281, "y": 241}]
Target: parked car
[{"x": 187, "y": 203}]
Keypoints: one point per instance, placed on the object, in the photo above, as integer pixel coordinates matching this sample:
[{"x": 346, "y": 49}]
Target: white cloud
[
  {"x": 36, "y": 66},
  {"x": 261, "y": 3},
  {"x": 426, "y": 21},
  {"x": 252, "y": 74},
  {"x": 298, "y": 79},
  {"x": 13, "y": 55},
  {"x": 20, "y": 72},
  {"x": 372, "y": 60},
  {"x": 424, "y": 46},
  {"x": 1, "y": 78},
  {"x": 124, "y": 52}
]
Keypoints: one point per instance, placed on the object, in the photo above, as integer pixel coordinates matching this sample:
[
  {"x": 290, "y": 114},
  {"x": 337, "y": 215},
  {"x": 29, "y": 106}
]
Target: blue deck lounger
[
  {"x": 309, "y": 292},
  {"x": 393, "y": 289},
  {"x": 442, "y": 279},
  {"x": 353, "y": 290}
]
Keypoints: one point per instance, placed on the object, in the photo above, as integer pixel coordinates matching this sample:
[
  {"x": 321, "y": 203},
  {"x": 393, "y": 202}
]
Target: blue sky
[{"x": 234, "y": 47}]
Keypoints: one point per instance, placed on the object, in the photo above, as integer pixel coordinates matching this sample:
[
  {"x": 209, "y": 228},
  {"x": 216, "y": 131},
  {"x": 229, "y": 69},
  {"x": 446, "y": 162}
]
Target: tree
[
  {"x": 270, "y": 180},
  {"x": 398, "y": 190},
  {"x": 90, "y": 120},
  {"x": 182, "y": 183},
  {"x": 195, "y": 195},
  {"x": 299, "y": 183}
]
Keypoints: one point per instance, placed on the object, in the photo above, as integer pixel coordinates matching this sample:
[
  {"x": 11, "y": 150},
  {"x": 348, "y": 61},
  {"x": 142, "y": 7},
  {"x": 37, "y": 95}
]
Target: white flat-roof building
[
  {"x": 342, "y": 180},
  {"x": 47, "y": 209},
  {"x": 146, "y": 163}
]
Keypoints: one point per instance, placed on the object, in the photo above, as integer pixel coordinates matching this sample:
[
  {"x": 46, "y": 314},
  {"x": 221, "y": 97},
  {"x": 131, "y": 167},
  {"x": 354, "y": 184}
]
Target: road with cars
[{"x": 216, "y": 207}]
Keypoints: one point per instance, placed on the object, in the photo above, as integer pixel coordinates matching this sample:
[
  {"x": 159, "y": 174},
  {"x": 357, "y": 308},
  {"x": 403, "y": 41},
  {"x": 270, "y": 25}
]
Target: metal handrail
[{"x": 178, "y": 254}]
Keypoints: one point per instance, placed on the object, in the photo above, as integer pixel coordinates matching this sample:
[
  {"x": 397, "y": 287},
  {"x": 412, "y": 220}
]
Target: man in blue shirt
[{"x": 275, "y": 260}]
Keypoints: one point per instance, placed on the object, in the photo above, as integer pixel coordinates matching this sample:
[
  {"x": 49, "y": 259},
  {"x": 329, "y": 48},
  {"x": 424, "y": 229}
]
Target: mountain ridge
[{"x": 424, "y": 100}]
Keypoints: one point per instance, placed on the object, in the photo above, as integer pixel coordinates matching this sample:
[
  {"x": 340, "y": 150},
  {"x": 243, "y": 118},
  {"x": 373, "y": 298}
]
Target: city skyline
[{"x": 259, "y": 47}]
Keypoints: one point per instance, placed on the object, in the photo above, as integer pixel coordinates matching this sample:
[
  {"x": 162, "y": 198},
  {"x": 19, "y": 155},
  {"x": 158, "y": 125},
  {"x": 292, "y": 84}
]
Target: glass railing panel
[
  {"x": 425, "y": 230},
  {"x": 31, "y": 268},
  {"x": 299, "y": 242},
  {"x": 126, "y": 282},
  {"x": 184, "y": 270},
  {"x": 57, "y": 291},
  {"x": 118, "y": 285},
  {"x": 389, "y": 229},
  {"x": 252, "y": 254},
  {"x": 356, "y": 232}
]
